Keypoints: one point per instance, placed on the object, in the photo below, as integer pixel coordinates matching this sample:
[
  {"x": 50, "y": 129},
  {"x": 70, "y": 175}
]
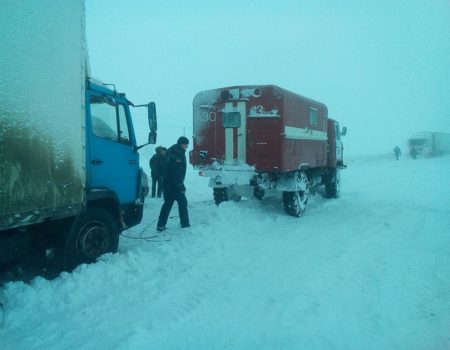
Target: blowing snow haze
[
  {"x": 368, "y": 270},
  {"x": 381, "y": 67}
]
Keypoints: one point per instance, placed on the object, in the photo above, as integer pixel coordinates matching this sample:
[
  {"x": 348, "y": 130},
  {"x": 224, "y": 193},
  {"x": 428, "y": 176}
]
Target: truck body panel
[
  {"x": 42, "y": 140},
  {"x": 278, "y": 129},
  {"x": 441, "y": 143}
]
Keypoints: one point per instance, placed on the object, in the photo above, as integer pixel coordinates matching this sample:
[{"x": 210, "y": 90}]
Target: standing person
[
  {"x": 413, "y": 153},
  {"x": 397, "y": 152},
  {"x": 158, "y": 165},
  {"x": 174, "y": 189},
  {"x": 153, "y": 170}
]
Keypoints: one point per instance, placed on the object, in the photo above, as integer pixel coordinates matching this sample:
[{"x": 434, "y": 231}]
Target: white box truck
[
  {"x": 70, "y": 179},
  {"x": 429, "y": 144}
]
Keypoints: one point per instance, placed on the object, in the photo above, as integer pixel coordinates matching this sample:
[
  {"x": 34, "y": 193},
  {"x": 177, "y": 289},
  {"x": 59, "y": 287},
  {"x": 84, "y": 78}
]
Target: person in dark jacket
[
  {"x": 397, "y": 152},
  {"x": 173, "y": 185},
  {"x": 158, "y": 167}
]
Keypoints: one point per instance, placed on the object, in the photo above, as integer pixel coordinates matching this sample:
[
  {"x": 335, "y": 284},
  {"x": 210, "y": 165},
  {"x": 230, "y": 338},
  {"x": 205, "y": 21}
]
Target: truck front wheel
[
  {"x": 90, "y": 236},
  {"x": 333, "y": 184},
  {"x": 220, "y": 195}
]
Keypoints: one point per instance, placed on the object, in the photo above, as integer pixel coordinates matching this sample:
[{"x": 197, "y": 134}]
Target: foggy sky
[{"x": 382, "y": 67}]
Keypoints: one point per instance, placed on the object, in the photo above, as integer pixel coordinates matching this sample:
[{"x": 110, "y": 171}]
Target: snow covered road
[{"x": 369, "y": 270}]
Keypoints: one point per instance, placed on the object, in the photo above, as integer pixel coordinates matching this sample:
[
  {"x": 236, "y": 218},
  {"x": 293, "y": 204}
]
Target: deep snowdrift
[{"x": 369, "y": 270}]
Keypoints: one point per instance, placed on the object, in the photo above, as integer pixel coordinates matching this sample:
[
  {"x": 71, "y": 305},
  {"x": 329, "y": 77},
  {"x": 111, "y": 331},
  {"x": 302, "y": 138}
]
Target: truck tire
[
  {"x": 333, "y": 184},
  {"x": 90, "y": 236},
  {"x": 296, "y": 202},
  {"x": 220, "y": 195},
  {"x": 258, "y": 192}
]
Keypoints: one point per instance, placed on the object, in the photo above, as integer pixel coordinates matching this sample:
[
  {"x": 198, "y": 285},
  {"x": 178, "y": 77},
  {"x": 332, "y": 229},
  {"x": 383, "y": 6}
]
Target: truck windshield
[
  {"x": 417, "y": 142},
  {"x": 231, "y": 119}
]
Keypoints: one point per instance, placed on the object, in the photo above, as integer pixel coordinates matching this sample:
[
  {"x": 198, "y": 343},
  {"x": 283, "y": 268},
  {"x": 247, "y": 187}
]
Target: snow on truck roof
[
  {"x": 106, "y": 88},
  {"x": 246, "y": 91}
]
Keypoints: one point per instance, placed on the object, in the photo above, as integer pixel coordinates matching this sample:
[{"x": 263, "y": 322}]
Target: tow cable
[{"x": 146, "y": 238}]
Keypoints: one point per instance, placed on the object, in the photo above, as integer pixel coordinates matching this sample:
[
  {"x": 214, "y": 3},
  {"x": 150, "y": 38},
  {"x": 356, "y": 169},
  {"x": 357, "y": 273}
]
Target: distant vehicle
[
  {"x": 266, "y": 140},
  {"x": 429, "y": 144},
  {"x": 70, "y": 178}
]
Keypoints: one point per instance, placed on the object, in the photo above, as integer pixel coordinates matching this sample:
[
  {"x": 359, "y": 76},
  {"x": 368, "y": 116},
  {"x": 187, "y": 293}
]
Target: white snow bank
[{"x": 366, "y": 271}]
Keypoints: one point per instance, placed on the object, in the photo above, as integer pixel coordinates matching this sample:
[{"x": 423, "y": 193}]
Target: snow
[
  {"x": 258, "y": 111},
  {"x": 366, "y": 271}
]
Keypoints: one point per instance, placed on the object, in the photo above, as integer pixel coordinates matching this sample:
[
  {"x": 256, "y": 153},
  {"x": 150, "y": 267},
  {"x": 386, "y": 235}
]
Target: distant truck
[
  {"x": 265, "y": 140},
  {"x": 429, "y": 144},
  {"x": 70, "y": 179}
]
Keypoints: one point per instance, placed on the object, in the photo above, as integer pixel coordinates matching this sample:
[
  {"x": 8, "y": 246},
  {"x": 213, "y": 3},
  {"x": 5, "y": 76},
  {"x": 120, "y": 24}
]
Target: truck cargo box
[
  {"x": 278, "y": 129},
  {"x": 42, "y": 137}
]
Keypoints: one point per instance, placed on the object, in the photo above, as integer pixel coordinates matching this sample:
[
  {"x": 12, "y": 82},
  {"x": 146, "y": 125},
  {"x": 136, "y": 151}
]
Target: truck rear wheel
[
  {"x": 220, "y": 195},
  {"x": 296, "y": 202},
  {"x": 333, "y": 184},
  {"x": 90, "y": 236},
  {"x": 258, "y": 192}
]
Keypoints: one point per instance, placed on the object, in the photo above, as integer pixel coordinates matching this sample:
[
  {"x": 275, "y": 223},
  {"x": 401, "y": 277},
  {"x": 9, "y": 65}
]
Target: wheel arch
[{"x": 107, "y": 200}]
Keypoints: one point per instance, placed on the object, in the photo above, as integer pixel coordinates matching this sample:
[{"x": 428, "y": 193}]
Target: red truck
[{"x": 262, "y": 140}]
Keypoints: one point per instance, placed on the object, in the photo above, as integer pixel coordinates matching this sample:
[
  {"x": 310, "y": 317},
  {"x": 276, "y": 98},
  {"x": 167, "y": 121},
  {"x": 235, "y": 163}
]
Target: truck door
[
  {"x": 112, "y": 162},
  {"x": 234, "y": 120},
  {"x": 337, "y": 133}
]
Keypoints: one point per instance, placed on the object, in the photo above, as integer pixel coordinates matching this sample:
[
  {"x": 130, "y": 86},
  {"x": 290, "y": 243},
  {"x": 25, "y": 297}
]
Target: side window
[
  {"x": 231, "y": 119},
  {"x": 124, "y": 135},
  {"x": 312, "y": 116},
  {"x": 109, "y": 119}
]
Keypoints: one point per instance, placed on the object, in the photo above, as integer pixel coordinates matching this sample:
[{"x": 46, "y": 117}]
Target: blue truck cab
[
  {"x": 112, "y": 158},
  {"x": 116, "y": 185}
]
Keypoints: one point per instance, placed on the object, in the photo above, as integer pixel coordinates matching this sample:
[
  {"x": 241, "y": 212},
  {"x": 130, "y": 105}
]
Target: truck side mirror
[
  {"x": 152, "y": 120},
  {"x": 152, "y": 137},
  {"x": 344, "y": 131}
]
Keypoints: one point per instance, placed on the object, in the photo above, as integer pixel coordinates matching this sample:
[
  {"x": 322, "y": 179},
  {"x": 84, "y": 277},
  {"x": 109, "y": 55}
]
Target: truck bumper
[{"x": 227, "y": 176}]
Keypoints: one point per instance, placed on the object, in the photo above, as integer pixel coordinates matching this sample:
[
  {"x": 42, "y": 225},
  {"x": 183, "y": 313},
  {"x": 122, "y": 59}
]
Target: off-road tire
[
  {"x": 220, "y": 195},
  {"x": 296, "y": 202},
  {"x": 258, "y": 192},
  {"x": 333, "y": 184}
]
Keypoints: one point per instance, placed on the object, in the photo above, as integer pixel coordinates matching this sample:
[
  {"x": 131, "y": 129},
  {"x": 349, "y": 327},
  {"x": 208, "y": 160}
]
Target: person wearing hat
[
  {"x": 158, "y": 164},
  {"x": 173, "y": 185}
]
